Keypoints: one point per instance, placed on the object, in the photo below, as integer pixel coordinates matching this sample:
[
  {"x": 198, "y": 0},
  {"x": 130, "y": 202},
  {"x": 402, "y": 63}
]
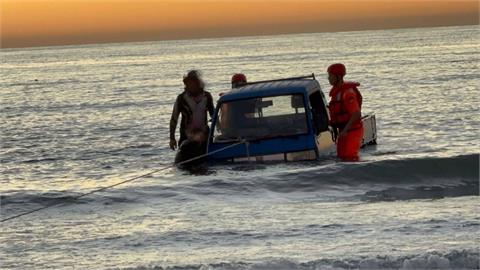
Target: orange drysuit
[{"x": 346, "y": 100}]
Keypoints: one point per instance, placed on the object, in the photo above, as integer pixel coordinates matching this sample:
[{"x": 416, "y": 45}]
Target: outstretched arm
[{"x": 173, "y": 125}]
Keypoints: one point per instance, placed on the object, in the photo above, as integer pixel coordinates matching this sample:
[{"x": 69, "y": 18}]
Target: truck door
[{"x": 319, "y": 112}]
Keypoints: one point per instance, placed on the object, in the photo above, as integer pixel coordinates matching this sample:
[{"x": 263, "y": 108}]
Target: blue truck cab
[{"x": 285, "y": 119}]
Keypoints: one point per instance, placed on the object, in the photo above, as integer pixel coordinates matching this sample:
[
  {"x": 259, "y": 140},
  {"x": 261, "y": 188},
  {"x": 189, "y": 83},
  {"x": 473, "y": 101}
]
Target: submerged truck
[{"x": 278, "y": 120}]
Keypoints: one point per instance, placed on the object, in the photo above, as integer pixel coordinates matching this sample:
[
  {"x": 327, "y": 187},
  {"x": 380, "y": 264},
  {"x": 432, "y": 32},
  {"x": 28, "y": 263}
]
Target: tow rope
[{"x": 123, "y": 182}]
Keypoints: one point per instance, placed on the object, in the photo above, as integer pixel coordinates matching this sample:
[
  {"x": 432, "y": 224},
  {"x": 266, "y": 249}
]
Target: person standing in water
[
  {"x": 238, "y": 80},
  {"x": 345, "y": 113},
  {"x": 192, "y": 104}
]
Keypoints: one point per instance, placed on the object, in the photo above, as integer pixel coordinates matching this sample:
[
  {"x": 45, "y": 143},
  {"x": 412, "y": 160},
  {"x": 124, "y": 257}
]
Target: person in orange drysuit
[
  {"x": 345, "y": 113},
  {"x": 239, "y": 80}
]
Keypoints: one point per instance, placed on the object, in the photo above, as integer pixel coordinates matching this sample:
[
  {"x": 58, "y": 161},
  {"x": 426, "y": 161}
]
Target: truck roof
[{"x": 271, "y": 88}]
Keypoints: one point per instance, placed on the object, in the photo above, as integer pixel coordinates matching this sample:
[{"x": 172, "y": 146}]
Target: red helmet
[
  {"x": 239, "y": 78},
  {"x": 337, "y": 69}
]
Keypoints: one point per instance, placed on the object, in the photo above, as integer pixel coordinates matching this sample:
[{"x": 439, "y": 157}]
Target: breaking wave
[
  {"x": 387, "y": 180},
  {"x": 394, "y": 179},
  {"x": 456, "y": 259},
  {"x": 412, "y": 170}
]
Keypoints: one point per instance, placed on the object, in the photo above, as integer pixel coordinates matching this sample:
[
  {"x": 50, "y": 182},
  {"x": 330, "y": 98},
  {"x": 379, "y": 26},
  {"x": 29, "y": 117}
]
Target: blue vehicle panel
[
  {"x": 264, "y": 147},
  {"x": 281, "y": 121}
]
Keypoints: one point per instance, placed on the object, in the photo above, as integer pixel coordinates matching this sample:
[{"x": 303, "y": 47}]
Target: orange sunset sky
[{"x": 26, "y": 23}]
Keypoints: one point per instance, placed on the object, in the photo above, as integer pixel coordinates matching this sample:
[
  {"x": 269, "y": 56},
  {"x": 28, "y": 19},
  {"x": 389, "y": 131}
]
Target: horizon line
[{"x": 228, "y": 36}]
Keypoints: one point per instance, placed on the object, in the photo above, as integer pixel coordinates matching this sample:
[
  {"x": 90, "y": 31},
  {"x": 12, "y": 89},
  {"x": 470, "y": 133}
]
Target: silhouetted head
[
  {"x": 239, "y": 80},
  {"x": 336, "y": 72},
  {"x": 194, "y": 84}
]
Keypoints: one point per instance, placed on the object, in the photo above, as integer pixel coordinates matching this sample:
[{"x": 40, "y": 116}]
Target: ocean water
[{"x": 77, "y": 118}]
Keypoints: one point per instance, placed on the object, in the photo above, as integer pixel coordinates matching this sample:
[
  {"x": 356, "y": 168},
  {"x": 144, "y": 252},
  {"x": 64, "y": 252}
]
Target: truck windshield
[{"x": 264, "y": 117}]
